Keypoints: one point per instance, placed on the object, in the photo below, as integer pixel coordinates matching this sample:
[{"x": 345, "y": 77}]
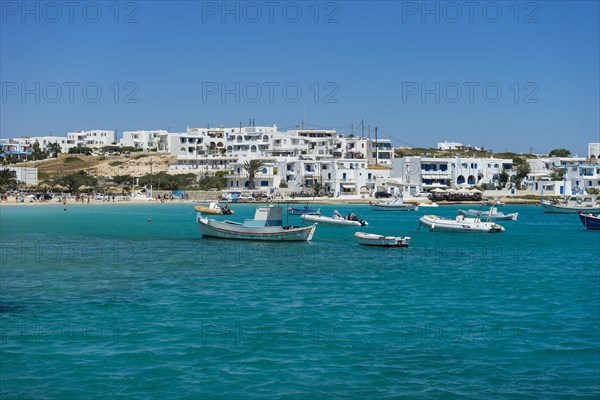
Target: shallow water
[{"x": 99, "y": 302}]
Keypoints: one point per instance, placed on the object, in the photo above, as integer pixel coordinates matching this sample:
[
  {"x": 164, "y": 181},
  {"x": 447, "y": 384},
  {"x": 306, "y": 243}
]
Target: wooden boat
[
  {"x": 337, "y": 219},
  {"x": 492, "y": 214},
  {"x": 396, "y": 204},
  {"x": 589, "y": 220},
  {"x": 571, "y": 205},
  {"x": 214, "y": 209},
  {"x": 370, "y": 239},
  {"x": 267, "y": 225},
  {"x": 460, "y": 224},
  {"x": 306, "y": 210}
]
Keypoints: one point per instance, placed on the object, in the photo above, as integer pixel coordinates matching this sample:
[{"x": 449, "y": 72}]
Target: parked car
[
  {"x": 382, "y": 195},
  {"x": 421, "y": 194}
]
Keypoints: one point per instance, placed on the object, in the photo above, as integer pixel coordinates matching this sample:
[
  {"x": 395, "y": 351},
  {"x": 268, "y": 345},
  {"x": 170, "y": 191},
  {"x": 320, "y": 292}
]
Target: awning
[
  {"x": 435, "y": 176},
  {"x": 348, "y": 185}
]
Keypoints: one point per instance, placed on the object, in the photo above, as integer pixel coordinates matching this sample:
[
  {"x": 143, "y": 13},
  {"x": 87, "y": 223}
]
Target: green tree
[
  {"x": 53, "y": 150},
  {"x": 560, "y": 153},
  {"x": 73, "y": 181},
  {"x": 37, "y": 153},
  {"x": 503, "y": 178},
  {"x": 8, "y": 180},
  {"x": 317, "y": 187},
  {"x": 252, "y": 167},
  {"x": 521, "y": 172}
]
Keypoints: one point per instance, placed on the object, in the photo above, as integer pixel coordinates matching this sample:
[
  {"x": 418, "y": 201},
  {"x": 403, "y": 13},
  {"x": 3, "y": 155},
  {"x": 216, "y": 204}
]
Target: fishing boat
[
  {"x": 589, "y": 220},
  {"x": 492, "y": 214},
  {"x": 306, "y": 210},
  {"x": 214, "y": 209},
  {"x": 337, "y": 219},
  {"x": 370, "y": 239},
  {"x": 571, "y": 205},
  {"x": 433, "y": 204},
  {"x": 267, "y": 225},
  {"x": 459, "y": 224},
  {"x": 396, "y": 204}
]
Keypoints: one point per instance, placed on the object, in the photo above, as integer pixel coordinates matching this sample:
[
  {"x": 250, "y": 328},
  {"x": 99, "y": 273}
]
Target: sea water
[{"x": 130, "y": 302}]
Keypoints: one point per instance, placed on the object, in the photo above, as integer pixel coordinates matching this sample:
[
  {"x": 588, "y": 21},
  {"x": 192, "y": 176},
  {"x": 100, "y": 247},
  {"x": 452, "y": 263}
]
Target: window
[
  {"x": 264, "y": 183},
  {"x": 264, "y": 170}
]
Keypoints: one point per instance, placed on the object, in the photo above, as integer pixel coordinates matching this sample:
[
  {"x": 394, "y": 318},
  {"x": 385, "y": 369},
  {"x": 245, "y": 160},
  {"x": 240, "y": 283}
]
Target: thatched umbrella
[{"x": 83, "y": 188}]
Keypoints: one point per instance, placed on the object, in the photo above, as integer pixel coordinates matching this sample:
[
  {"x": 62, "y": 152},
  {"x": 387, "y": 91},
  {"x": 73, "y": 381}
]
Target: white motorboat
[
  {"x": 460, "y": 224},
  {"x": 337, "y": 219},
  {"x": 492, "y": 214},
  {"x": 267, "y": 224},
  {"x": 571, "y": 205},
  {"x": 396, "y": 204},
  {"x": 429, "y": 205},
  {"x": 370, "y": 239}
]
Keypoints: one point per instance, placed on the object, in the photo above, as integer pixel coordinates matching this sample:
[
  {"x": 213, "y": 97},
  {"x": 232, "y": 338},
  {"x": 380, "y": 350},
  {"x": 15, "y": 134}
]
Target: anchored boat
[
  {"x": 306, "y": 210},
  {"x": 337, "y": 219},
  {"x": 571, "y": 205},
  {"x": 267, "y": 225},
  {"x": 589, "y": 220},
  {"x": 460, "y": 224},
  {"x": 370, "y": 239},
  {"x": 397, "y": 204},
  {"x": 492, "y": 214},
  {"x": 214, "y": 209}
]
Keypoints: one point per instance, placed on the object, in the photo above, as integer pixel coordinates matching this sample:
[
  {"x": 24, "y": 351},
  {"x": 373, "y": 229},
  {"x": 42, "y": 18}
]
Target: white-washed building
[
  {"x": 449, "y": 145},
  {"x": 92, "y": 138},
  {"x": 562, "y": 175},
  {"x": 380, "y": 152},
  {"x": 26, "y": 175},
  {"x": 594, "y": 150},
  {"x": 146, "y": 140},
  {"x": 416, "y": 173}
]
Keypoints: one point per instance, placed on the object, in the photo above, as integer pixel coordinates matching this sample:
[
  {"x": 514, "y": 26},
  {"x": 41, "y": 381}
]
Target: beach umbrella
[
  {"x": 475, "y": 191},
  {"x": 83, "y": 188},
  {"x": 44, "y": 186},
  {"x": 451, "y": 190},
  {"x": 438, "y": 190}
]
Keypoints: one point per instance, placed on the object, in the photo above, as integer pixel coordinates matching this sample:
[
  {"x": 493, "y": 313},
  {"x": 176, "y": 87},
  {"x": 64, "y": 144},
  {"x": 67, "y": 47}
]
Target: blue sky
[{"x": 503, "y": 75}]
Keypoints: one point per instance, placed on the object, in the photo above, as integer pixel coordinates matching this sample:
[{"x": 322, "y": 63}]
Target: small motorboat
[
  {"x": 460, "y": 224},
  {"x": 306, "y": 210},
  {"x": 396, "y": 204},
  {"x": 337, "y": 219},
  {"x": 429, "y": 205},
  {"x": 370, "y": 239},
  {"x": 214, "y": 209},
  {"x": 589, "y": 220},
  {"x": 492, "y": 214}
]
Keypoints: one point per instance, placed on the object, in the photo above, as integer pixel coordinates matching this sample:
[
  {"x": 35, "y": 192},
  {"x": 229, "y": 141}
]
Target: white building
[
  {"x": 562, "y": 175},
  {"x": 413, "y": 174},
  {"x": 449, "y": 145},
  {"x": 92, "y": 138},
  {"x": 594, "y": 150},
  {"x": 26, "y": 175},
  {"x": 146, "y": 140}
]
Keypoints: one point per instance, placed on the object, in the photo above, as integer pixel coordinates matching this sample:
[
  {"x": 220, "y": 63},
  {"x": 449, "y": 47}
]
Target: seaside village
[{"x": 298, "y": 162}]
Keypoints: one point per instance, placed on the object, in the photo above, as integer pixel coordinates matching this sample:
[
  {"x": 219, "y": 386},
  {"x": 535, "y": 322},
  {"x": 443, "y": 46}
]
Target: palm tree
[
  {"x": 317, "y": 187},
  {"x": 8, "y": 179},
  {"x": 252, "y": 167}
]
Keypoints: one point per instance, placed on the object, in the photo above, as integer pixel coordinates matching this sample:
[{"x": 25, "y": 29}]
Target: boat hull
[
  {"x": 439, "y": 224},
  {"x": 556, "y": 208},
  {"x": 228, "y": 230},
  {"x": 369, "y": 239},
  {"x": 492, "y": 217},
  {"x": 332, "y": 221},
  {"x": 589, "y": 221}
]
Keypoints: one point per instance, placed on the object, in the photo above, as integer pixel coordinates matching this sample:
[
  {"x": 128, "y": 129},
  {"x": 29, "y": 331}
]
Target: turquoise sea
[{"x": 98, "y": 302}]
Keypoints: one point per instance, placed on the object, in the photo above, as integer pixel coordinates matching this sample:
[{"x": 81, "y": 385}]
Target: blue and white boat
[
  {"x": 267, "y": 224},
  {"x": 589, "y": 220}
]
